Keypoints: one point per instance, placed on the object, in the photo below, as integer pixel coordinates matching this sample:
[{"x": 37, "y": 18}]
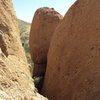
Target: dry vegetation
[{"x": 24, "y": 28}]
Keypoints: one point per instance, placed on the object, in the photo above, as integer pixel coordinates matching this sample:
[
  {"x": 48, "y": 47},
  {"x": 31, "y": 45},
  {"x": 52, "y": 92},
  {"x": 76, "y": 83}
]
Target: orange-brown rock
[
  {"x": 73, "y": 69},
  {"x": 43, "y": 26},
  {"x": 15, "y": 79}
]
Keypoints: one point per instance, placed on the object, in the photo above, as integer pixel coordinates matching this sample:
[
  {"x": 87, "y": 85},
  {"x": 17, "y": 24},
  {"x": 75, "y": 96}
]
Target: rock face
[
  {"x": 73, "y": 68},
  {"x": 15, "y": 79},
  {"x": 43, "y": 26}
]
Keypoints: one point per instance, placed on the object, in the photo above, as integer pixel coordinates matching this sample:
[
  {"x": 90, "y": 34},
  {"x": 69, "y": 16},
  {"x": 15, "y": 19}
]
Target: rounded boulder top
[{"x": 45, "y": 11}]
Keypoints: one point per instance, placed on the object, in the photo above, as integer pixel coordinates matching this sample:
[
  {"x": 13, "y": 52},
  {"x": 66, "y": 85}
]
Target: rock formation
[
  {"x": 73, "y": 68},
  {"x": 43, "y": 26},
  {"x": 15, "y": 79}
]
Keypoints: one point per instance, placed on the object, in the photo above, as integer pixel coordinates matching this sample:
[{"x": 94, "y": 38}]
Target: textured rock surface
[
  {"x": 43, "y": 26},
  {"x": 73, "y": 69},
  {"x": 15, "y": 80}
]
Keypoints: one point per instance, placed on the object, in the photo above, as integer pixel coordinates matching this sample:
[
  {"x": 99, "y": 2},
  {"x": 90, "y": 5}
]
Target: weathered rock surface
[
  {"x": 43, "y": 26},
  {"x": 15, "y": 79},
  {"x": 73, "y": 69}
]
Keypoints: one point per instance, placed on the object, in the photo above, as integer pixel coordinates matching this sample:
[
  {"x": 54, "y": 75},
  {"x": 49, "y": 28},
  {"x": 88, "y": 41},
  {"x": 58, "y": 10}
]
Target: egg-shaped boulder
[{"x": 43, "y": 26}]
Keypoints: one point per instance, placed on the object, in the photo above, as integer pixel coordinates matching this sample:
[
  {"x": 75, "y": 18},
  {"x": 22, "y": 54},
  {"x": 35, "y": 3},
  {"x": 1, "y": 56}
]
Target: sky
[{"x": 25, "y": 9}]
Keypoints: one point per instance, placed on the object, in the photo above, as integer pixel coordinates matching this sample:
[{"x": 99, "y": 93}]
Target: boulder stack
[{"x": 73, "y": 68}]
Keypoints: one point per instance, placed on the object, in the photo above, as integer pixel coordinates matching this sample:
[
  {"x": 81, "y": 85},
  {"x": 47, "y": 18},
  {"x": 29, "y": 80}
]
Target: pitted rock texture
[
  {"x": 15, "y": 79},
  {"x": 73, "y": 68},
  {"x": 43, "y": 26}
]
